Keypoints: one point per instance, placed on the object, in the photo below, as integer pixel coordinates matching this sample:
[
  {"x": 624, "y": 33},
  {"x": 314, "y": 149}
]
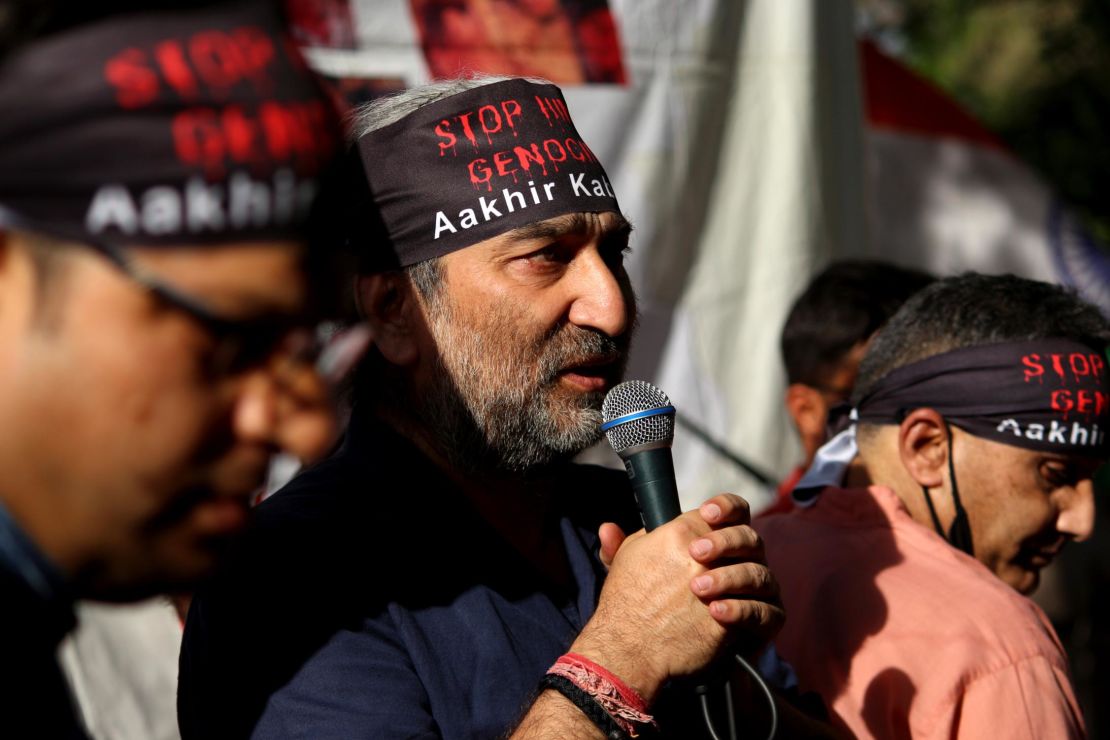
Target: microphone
[
  {"x": 639, "y": 424},
  {"x": 638, "y": 421}
]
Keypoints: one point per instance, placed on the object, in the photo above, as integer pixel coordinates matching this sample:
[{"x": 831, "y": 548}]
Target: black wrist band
[{"x": 579, "y": 698}]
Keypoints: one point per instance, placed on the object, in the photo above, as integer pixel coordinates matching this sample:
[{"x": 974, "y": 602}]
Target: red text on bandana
[{"x": 491, "y": 130}]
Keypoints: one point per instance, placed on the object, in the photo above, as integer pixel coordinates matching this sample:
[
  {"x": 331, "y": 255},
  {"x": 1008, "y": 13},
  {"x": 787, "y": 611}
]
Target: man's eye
[
  {"x": 616, "y": 254},
  {"x": 552, "y": 253},
  {"x": 249, "y": 345},
  {"x": 1059, "y": 474},
  {"x": 614, "y": 249}
]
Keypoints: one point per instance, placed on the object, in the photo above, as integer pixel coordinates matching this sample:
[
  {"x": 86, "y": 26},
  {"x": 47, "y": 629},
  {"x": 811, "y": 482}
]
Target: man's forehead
[
  {"x": 259, "y": 277},
  {"x": 585, "y": 224}
]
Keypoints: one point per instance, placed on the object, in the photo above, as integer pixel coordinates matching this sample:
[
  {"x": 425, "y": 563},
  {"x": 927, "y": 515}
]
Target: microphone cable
[{"x": 730, "y": 710}]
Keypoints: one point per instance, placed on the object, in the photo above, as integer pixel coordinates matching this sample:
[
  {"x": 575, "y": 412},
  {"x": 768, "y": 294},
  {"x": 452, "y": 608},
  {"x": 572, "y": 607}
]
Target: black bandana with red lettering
[
  {"x": 478, "y": 164},
  {"x": 163, "y": 128},
  {"x": 1050, "y": 395}
]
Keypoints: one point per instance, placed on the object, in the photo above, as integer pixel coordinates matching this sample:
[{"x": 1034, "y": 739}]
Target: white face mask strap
[{"x": 830, "y": 465}]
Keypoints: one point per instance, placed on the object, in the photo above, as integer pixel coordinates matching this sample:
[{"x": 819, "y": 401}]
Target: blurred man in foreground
[
  {"x": 156, "y": 173},
  {"x": 466, "y": 595},
  {"x": 983, "y": 408}
]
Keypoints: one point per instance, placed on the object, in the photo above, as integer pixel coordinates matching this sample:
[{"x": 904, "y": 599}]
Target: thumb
[{"x": 611, "y": 537}]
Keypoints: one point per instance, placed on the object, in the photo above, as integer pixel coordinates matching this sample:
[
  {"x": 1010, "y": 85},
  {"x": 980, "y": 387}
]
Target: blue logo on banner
[{"x": 1080, "y": 262}]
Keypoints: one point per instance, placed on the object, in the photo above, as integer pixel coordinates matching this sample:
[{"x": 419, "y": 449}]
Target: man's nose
[
  {"x": 600, "y": 301},
  {"x": 1077, "y": 514},
  {"x": 288, "y": 408}
]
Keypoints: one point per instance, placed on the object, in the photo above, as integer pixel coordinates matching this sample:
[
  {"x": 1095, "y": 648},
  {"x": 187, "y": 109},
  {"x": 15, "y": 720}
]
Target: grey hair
[
  {"x": 381, "y": 112},
  {"x": 427, "y": 276}
]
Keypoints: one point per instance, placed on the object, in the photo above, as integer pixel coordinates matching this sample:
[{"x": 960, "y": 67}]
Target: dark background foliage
[{"x": 1037, "y": 72}]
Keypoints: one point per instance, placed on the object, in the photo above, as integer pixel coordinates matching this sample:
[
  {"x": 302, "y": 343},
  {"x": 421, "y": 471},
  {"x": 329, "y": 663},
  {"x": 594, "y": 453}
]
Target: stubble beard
[{"x": 496, "y": 402}]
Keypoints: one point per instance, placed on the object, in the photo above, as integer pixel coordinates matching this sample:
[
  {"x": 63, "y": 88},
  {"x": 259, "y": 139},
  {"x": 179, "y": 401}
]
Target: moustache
[{"x": 572, "y": 346}]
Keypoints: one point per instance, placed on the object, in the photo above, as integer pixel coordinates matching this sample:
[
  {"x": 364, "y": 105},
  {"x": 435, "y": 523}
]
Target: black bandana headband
[
  {"x": 1051, "y": 395},
  {"x": 163, "y": 128},
  {"x": 479, "y": 164}
]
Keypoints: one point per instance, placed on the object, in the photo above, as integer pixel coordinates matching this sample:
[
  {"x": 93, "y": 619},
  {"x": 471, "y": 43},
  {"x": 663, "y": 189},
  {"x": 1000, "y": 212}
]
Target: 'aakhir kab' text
[{"x": 512, "y": 200}]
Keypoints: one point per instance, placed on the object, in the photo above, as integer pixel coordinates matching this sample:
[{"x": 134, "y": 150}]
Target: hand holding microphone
[
  {"x": 735, "y": 584},
  {"x": 639, "y": 424},
  {"x": 667, "y": 608}
]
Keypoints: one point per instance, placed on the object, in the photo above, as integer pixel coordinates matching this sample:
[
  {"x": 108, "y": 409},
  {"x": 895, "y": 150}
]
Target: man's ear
[
  {"x": 5, "y": 248},
  {"x": 806, "y": 408},
  {"x": 810, "y": 413},
  {"x": 923, "y": 447},
  {"x": 390, "y": 308}
]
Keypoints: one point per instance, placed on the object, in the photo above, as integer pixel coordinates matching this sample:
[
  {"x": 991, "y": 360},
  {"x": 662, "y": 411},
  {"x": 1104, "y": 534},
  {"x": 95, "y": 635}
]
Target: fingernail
[
  {"x": 711, "y": 511},
  {"x": 701, "y": 548},
  {"x": 717, "y": 608},
  {"x": 702, "y": 583}
]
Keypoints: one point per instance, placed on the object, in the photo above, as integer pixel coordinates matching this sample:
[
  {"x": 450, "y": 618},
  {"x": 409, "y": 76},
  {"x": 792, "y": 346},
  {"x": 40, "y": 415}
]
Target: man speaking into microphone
[{"x": 441, "y": 576}]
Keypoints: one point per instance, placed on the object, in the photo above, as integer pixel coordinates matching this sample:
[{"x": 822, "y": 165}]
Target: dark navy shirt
[
  {"x": 371, "y": 601},
  {"x": 36, "y": 612}
]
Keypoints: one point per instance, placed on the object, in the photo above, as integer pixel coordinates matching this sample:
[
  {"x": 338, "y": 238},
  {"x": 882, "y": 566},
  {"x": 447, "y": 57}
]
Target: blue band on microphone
[{"x": 638, "y": 415}]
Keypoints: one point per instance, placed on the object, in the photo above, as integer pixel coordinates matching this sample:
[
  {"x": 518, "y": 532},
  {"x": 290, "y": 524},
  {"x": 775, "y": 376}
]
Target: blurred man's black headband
[
  {"x": 1050, "y": 395},
  {"x": 164, "y": 128},
  {"x": 478, "y": 164}
]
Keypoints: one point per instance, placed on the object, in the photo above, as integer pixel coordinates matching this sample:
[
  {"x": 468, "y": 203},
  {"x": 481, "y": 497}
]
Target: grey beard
[{"x": 493, "y": 408}]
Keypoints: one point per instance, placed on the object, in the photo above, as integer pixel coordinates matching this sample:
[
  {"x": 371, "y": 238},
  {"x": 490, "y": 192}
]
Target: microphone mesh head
[{"x": 630, "y": 397}]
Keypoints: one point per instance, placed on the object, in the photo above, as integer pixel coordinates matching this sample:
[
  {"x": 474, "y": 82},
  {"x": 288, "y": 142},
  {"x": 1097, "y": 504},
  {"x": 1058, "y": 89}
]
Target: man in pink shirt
[{"x": 981, "y": 413}]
